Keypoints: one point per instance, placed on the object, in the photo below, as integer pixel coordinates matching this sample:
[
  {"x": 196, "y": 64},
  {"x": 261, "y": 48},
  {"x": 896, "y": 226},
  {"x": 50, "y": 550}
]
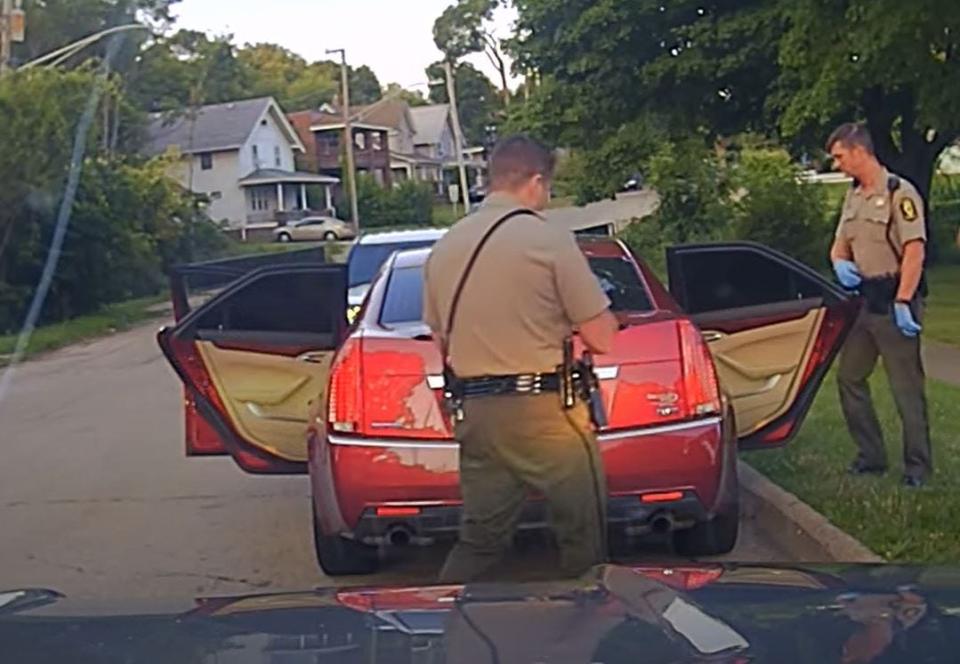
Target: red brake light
[
  {"x": 700, "y": 388},
  {"x": 682, "y": 578},
  {"x": 664, "y": 497},
  {"x": 397, "y": 511},
  {"x": 344, "y": 414}
]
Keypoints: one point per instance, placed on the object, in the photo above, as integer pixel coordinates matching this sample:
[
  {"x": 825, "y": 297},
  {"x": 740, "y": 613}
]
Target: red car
[{"x": 731, "y": 355}]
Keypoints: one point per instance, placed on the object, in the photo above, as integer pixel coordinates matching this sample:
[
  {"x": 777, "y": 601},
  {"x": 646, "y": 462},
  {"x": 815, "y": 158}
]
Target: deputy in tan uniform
[
  {"x": 529, "y": 288},
  {"x": 879, "y": 251}
]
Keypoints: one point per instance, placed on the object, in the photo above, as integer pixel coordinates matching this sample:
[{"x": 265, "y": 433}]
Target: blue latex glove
[
  {"x": 847, "y": 273},
  {"x": 905, "y": 321}
]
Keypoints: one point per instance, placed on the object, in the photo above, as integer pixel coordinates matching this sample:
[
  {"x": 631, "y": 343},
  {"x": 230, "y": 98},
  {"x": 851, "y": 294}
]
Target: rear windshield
[
  {"x": 365, "y": 259},
  {"x": 618, "y": 278}
]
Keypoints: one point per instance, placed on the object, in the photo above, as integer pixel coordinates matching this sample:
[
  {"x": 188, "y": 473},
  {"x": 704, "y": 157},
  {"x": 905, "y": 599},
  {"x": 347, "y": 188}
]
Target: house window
[
  {"x": 216, "y": 195},
  {"x": 276, "y": 156},
  {"x": 376, "y": 142},
  {"x": 259, "y": 200},
  {"x": 330, "y": 142},
  {"x": 360, "y": 140},
  {"x": 256, "y": 156},
  {"x": 206, "y": 161}
]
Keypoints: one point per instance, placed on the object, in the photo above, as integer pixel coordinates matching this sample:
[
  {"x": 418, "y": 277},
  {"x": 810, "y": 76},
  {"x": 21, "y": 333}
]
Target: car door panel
[
  {"x": 773, "y": 326},
  {"x": 268, "y": 395},
  {"x": 759, "y": 368},
  {"x": 255, "y": 357}
]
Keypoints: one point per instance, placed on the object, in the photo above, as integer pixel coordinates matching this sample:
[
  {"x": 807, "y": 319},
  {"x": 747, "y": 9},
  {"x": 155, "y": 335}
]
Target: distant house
[
  {"x": 241, "y": 155},
  {"x": 321, "y": 131},
  {"x": 435, "y": 139},
  {"x": 434, "y": 135}
]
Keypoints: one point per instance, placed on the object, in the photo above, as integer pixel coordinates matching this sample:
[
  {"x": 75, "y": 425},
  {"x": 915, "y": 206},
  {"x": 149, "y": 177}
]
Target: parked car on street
[
  {"x": 729, "y": 356},
  {"x": 315, "y": 229},
  {"x": 371, "y": 251}
]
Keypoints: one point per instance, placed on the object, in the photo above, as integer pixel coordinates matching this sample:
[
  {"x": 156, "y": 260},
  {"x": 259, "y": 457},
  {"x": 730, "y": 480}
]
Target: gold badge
[{"x": 909, "y": 209}]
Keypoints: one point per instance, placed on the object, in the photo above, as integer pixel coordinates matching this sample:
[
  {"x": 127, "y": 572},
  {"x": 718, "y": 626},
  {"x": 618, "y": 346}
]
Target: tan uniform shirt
[
  {"x": 864, "y": 220},
  {"x": 529, "y": 287}
]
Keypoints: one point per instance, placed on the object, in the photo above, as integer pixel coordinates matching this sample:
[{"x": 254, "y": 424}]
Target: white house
[{"x": 241, "y": 155}]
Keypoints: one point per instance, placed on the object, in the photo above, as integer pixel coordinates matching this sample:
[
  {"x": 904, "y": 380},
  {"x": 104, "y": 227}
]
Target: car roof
[
  {"x": 594, "y": 247},
  {"x": 393, "y": 237}
]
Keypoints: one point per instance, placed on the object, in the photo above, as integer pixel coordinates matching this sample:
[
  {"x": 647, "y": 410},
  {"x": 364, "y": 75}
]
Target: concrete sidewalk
[{"x": 942, "y": 361}]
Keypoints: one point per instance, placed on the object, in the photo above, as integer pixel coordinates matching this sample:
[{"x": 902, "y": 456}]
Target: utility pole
[
  {"x": 348, "y": 137},
  {"x": 457, "y": 135}
]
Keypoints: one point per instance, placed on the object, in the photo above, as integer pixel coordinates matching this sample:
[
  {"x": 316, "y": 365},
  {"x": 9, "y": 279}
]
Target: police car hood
[{"x": 685, "y": 613}]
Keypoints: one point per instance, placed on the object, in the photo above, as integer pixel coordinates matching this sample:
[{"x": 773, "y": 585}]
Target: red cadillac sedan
[{"x": 730, "y": 356}]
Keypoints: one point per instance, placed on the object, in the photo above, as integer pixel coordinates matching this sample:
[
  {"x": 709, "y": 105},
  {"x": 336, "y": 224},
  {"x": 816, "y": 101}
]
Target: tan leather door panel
[
  {"x": 760, "y": 368},
  {"x": 267, "y": 396}
]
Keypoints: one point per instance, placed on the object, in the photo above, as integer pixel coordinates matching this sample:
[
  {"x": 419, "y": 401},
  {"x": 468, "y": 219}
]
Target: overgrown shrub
[{"x": 408, "y": 203}]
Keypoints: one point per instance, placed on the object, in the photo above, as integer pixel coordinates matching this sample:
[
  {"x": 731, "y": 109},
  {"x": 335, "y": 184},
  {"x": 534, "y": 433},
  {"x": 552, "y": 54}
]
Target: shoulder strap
[
  {"x": 893, "y": 183},
  {"x": 455, "y": 302}
]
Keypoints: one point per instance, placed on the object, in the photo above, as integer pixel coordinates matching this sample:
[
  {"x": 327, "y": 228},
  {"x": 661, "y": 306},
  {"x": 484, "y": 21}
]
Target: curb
[{"x": 795, "y": 526}]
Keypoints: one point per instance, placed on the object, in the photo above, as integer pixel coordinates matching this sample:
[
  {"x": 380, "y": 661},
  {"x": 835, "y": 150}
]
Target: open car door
[
  {"x": 773, "y": 324},
  {"x": 254, "y": 357}
]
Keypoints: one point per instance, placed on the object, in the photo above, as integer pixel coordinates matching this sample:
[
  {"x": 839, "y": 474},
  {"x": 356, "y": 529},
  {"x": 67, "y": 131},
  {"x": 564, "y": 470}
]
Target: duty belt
[{"x": 486, "y": 386}]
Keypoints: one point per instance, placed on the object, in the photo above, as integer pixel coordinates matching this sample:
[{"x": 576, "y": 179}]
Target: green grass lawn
[
  {"x": 112, "y": 318},
  {"x": 899, "y": 524},
  {"x": 943, "y": 304}
]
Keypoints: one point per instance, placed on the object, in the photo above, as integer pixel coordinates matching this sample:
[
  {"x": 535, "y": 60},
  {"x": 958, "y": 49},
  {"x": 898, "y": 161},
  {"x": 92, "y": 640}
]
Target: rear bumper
[
  {"x": 353, "y": 476},
  {"x": 625, "y": 515}
]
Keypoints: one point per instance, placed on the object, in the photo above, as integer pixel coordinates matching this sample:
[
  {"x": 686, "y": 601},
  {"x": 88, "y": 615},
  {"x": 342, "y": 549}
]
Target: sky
[{"x": 393, "y": 37}]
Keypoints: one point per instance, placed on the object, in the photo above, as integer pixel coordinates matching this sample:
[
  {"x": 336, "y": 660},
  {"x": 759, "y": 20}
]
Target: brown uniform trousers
[
  {"x": 511, "y": 446},
  {"x": 873, "y": 336}
]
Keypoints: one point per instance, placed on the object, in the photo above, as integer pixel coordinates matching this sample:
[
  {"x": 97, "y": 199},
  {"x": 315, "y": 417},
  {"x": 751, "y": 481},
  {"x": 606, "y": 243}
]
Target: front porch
[{"x": 274, "y": 197}]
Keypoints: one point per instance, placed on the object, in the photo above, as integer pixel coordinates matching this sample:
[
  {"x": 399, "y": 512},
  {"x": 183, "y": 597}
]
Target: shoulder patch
[{"x": 908, "y": 209}]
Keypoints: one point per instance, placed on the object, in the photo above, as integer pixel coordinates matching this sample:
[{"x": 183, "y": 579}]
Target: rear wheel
[
  {"x": 710, "y": 538},
  {"x": 329, "y": 236},
  {"x": 284, "y": 237},
  {"x": 340, "y": 556}
]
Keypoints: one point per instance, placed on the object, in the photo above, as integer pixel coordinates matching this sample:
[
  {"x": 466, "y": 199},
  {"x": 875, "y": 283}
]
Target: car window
[
  {"x": 403, "y": 302},
  {"x": 734, "y": 278},
  {"x": 621, "y": 282},
  {"x": 365, "y": 259},
  {"x": 256, "y": 307}
]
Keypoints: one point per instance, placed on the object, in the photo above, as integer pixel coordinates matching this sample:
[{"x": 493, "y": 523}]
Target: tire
[
  {"x": 330, "y": 236},
  {"x": 339, "y": 556},
  {"x": 284, "y": 237},
  {"x": 710, "y": 538}
]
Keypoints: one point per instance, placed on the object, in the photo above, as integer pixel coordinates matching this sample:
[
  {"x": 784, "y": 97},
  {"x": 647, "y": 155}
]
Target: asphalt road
[{"x": 97, "y": 499}]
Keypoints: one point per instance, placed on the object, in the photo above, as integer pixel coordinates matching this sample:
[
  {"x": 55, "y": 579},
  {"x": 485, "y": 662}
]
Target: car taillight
[
  {"x": 682, "y": 578},
  {"x": 701, "y": 392},
  {"x": 345, "y": 403}
]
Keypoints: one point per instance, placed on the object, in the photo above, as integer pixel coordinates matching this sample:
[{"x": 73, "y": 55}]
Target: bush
[
  {"x": 752, "y": 194},
  {"x": 592, "y": 174},
  {"x": 408, "y": 203},
  {"x": 775, "y": 208},
  {"x": 693, "y": 191}
]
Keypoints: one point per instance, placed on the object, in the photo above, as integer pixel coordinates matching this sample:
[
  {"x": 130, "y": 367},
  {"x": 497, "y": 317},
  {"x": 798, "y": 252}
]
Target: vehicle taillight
[
  {"x": 701, "y": 392},
  {"x": 682, "y": 578},
  {"x": 345, "y": 403}
]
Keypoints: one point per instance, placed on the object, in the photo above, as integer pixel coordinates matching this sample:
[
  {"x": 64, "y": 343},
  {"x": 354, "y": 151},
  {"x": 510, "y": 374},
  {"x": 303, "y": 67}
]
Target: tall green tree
[
  {"x": 895, "y": 65},
  {"x": 188, "y": 68},
  {"x": 364, "y": 85},
  {"x": 464, "y": 28},
  {"x": 412, "y": 97},
  {"x": 129, "y": 220},
  {"x": 477, "y": 99},
  {"x": 792, "y": 68}
]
